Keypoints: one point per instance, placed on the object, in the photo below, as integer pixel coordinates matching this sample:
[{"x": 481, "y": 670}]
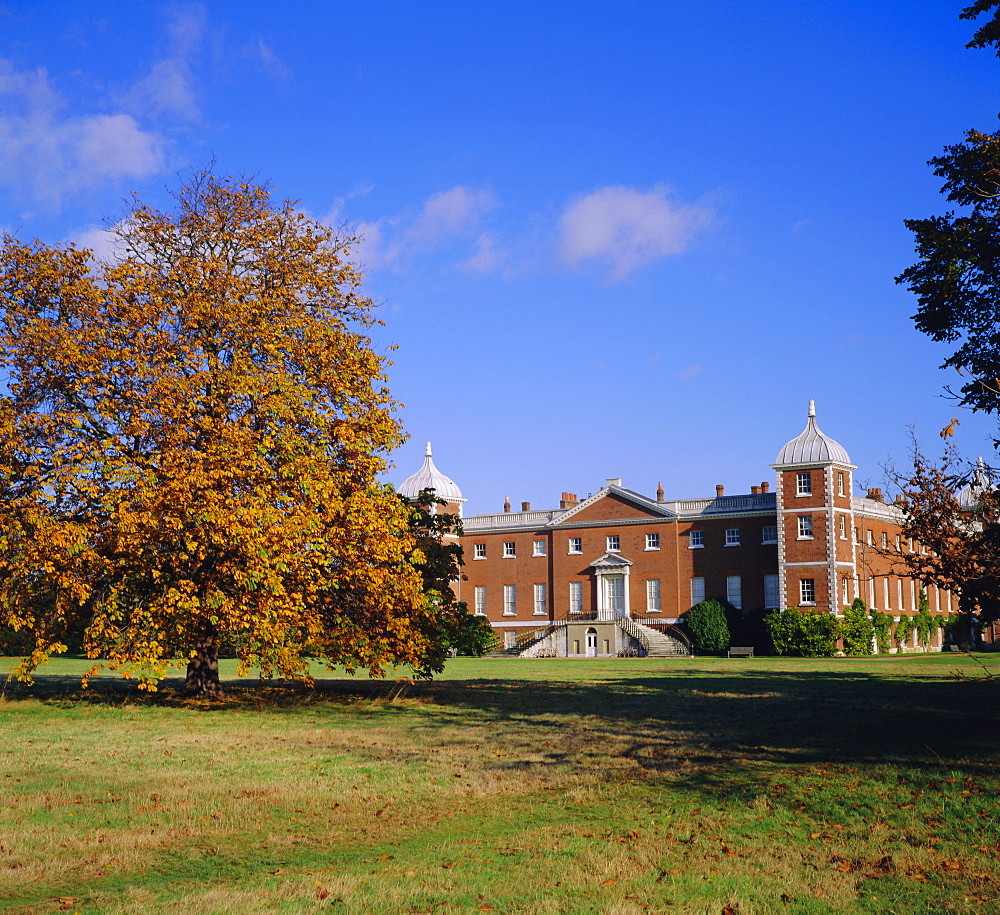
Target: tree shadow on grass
[{"x": 759, "y": 716}]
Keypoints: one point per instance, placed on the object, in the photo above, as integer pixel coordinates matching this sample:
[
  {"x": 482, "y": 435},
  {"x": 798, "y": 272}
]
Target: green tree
[
  {"x": 857, "y": 629},
  {"x": 706, "y": 621},
  {"x": 803, "y": 632},
  {"x": 192, "y": 439},
  {"x": 450, "y": 625}
]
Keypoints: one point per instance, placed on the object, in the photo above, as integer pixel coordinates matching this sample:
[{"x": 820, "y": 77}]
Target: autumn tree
[
  {"x": 957, "y": 284},
  {"x": 192, "y": 436}
]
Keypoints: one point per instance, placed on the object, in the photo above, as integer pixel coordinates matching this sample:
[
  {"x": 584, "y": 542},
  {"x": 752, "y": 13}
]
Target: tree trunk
[{"x": 203, "y": 669}]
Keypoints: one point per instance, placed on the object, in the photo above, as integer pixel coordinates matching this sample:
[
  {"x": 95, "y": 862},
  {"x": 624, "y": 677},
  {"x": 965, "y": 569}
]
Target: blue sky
[{"x": 623, "y": 239}]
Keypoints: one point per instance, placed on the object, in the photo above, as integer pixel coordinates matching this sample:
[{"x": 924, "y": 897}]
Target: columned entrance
[{"x": 611, "y": 574}]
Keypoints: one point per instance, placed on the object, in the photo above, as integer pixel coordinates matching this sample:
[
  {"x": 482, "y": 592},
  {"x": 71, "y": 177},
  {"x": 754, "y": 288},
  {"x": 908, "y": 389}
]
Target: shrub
[
  {"x": 904, "y": 629},
  {"x": 882, "y": 624},
  {"x": 803, "y": 632},
  {"x": 857, "y": 629},
  {"x": 706, "y": 621}
]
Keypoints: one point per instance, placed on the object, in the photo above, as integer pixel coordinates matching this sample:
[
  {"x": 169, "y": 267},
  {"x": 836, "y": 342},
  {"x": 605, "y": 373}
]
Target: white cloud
[
  {"x": 170, "y": 87},
  {"x": 447, "y": 216},
  {"x": 695, "y": 368},
  {"x": 627, "y": 229},
  {"x": 487, "y": 257},
  {"x": 46, "y": 153},
  {"x": 105, "y": 244}
]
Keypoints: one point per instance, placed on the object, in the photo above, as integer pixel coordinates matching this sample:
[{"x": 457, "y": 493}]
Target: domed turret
[
  {"x": 429, "y": 477},
  {"x": 812, "y": 446}
]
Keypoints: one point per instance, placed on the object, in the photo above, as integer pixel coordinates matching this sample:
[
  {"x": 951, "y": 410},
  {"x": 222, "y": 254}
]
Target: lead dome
[
  {"x": 429, "y": 477},
  {"x": 812, "y": 446}
]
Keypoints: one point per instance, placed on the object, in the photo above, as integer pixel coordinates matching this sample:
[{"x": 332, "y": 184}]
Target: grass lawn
[{"x": 623, "y": 785}]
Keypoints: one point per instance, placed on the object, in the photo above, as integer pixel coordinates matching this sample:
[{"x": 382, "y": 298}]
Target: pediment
[
  {"x": 614, "y": 504},
  {"x": 611, "y": 561}
]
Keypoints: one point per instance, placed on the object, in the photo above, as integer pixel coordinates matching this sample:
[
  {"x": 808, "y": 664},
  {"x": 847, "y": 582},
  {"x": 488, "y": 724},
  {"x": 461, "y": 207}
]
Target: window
[
  {"x": 803, "y": 483},
  {"x": 857, "y": 535},
  {"x": 697, "y": 539},
  {"x": 843, "y": 528},
  {"x": 871, "y": 538},
  {"x": 807, "y": 591},
  {"x": 576, "y": 544},
  {"x": 769, "y": 533},
  {"x": 771, "y": 597},
  {"x": 614, "y": 543},
  {"x": 508, "y": 550},
  {"x": 576, "y": 597},
  {"x": 652, "y": 541},
  {"x": 899, "y": 546},
  {"x": 479, "y": 551},
  {"x": 538, "y": 547},
  {"x": 840, "y": 482},
  {"x": 480, "y": 600},
  {"x": 697, "y": 590},
  {"x": 734, "y": 591},
  {"x": 509, "y": 600},
  {"x": 541, "y": 604},
  {"x": 805, "y": 527},
  {"x": 732, "y": 536},
  {"x": 885, "y": 540},
  {"x": 653, "y": 595}
]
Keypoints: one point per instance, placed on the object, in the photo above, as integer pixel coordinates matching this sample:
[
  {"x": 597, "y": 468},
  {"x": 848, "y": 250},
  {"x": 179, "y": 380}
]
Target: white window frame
[
  {"x": 576, "y": 597},
  {"x": 480, "y": 600},
  {"x": 771, "y": 529},
  {"x": 803, "y": 483},
  {"x": 541, "y": 600},
  {"x": 840, "y": 482},
  {"x": 537, "y": 547},
  {"x": 509, "y": 549},
  {"x": 575, "y": 545},
  {"x": 510, "y": 600},
  {"x": 652, "y": 541},
  {"x": 614, "y": 543},
  {"x": 732, "y": 536},
  {"x": 807, "y": 592},
  {"x": 696, "y": 540},
  {"x": 772, "y": 592},
  {"x": 805, "y": 527},
  {"x": 734, "y": 591},
  {"x": 653, "y": 595},
  {"x": 697, "y": 590},
  {"x": 843, "y": 528},
  {"x": 479, "y": 551}
]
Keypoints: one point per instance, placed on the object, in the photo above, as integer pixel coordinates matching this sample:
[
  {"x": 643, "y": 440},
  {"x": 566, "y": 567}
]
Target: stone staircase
[{"x": 660, "y": 645}]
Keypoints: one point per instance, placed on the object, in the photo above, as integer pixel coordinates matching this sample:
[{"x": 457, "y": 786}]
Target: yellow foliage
[{"x": 191, "y": 443}]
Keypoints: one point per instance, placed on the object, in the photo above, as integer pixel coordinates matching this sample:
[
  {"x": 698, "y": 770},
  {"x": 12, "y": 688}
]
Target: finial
[
  {"x": 427, "y": 452},
  {"x": 812, "y": 409}
]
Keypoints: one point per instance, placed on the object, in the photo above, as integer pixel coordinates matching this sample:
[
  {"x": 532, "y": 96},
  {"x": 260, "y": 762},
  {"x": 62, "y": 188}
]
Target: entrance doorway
[
  {"x": 592, "y": 643},
  {"x": 614, "y": 593}
]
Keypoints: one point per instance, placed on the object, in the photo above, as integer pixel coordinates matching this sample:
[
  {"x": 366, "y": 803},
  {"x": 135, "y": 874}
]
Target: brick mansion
[{"x": 616, "y": 568}]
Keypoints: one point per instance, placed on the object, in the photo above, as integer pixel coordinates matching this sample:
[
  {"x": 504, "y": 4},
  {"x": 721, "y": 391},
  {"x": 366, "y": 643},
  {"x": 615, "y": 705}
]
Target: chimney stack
[
  {"x": 765, "y": 487},
  {"x": 754, "y": 490},
  {"x": 875, "y": 493},
  {"x": 506, "y": 504},
  {"x": 526, "y": 506},
  {"x": 659, "y": 492},
  {"x": 568, "y": 500},
  {"x": 720, "y": 491}
]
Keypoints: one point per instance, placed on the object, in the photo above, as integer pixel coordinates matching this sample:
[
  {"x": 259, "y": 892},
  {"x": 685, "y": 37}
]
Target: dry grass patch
[{"x": 645, "y": 788}]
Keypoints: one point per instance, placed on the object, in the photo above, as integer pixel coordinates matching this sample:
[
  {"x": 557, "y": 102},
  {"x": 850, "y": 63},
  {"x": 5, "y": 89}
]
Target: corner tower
[
  {"x": 429, "y": 477},
  {"x": 816, "y": 565}
]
